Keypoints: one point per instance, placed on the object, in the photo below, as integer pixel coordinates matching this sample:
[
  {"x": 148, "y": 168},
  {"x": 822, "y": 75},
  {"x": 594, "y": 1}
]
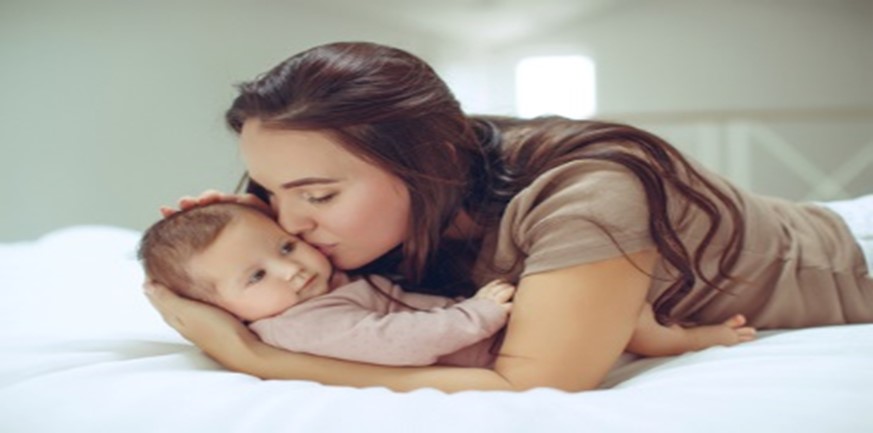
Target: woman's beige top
[{"x": 799, "y": 265}]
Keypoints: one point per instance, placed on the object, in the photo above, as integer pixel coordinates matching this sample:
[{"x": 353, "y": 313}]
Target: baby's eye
[
  {"x": 256, "y": 276},
  {"x": 287, "y": 248}
]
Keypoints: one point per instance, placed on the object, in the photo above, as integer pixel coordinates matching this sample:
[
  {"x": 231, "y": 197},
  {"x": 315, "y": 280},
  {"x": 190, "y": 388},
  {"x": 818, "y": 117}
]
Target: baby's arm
[
  {"x": 422, "y": 337},
  {"x": 650, "y": 338},
  {"x": 345, "y": 326}
]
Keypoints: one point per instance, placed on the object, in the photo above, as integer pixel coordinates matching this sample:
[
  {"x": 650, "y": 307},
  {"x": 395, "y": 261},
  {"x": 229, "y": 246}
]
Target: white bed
[{"x": 82, "y": 351}]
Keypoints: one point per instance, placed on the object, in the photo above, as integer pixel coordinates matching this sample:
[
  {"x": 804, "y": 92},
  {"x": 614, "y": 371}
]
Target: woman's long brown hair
[
  {"x": 390, "y": 108},
  {"x": 535, "y": 146}
]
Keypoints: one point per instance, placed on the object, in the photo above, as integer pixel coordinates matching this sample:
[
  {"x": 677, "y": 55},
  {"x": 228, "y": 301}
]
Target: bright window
[{"x": 561, "y": 85}]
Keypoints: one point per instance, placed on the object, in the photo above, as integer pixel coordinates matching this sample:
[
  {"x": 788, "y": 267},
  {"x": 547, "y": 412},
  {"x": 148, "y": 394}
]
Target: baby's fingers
[
  {"x": 503, "y": 292},
  {"x": 493, "y": 284}
]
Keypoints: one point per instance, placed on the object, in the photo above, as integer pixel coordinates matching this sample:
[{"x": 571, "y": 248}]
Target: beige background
[{"x": 111, "y": 108}]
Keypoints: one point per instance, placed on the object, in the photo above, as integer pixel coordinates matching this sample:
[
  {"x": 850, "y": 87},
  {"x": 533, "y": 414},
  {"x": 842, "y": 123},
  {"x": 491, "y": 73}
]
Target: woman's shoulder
[
  {"x": 590, "y": 188},
  {"x": 577, "y": 212}
]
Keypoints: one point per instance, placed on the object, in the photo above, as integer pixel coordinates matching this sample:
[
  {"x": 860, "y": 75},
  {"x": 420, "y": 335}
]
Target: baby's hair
[{"x": 168, "y": 245}]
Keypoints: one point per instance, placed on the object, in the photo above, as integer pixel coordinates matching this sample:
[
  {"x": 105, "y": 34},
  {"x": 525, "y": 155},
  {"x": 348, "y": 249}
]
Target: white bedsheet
[{"x": 82, "y": 351}]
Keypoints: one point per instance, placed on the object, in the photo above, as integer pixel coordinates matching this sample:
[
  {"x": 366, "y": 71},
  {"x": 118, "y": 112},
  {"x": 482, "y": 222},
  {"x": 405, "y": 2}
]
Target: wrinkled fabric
[
  {"x": 358, "y": 323},
  {"x": 800, "y": 264}
]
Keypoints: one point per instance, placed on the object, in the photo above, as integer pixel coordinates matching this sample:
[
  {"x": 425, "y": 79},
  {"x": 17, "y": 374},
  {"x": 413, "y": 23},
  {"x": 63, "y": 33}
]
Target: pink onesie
[{"x": 355, "y": 322}]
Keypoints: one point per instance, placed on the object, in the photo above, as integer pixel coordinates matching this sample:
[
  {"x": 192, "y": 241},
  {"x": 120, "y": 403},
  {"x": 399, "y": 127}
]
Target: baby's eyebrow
[{"x": 308, "y": 181}]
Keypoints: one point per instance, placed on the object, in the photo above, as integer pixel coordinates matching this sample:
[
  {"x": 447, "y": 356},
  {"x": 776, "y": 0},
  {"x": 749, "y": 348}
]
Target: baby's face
[{"x": 258, "y": 270}]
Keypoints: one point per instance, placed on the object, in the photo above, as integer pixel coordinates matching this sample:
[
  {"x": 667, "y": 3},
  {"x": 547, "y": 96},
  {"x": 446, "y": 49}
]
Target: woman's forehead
[{"x": 271, "y": 152}]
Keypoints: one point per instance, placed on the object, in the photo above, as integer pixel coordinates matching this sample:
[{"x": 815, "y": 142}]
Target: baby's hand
[{"x": 498, "y": 291}]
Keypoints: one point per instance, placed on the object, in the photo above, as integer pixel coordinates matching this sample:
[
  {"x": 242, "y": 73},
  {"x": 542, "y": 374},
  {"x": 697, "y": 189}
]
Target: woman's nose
[{"x": 294, "y": 222}]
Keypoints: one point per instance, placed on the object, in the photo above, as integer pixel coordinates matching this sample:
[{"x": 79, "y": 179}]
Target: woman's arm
[
  {"x": 567, "y": 329},
  {"x": 569, "y": 326}
]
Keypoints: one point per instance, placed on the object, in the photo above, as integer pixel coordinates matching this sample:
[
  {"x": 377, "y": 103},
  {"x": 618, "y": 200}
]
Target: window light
[{"x": 561, "y": 85}]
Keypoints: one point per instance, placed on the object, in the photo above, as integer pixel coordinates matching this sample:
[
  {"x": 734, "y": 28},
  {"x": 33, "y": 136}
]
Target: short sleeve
[{"x": 579, "y": 212}]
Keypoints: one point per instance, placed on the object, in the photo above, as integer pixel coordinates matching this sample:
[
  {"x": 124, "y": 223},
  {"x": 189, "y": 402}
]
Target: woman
[{"x": 362, "y": 150}]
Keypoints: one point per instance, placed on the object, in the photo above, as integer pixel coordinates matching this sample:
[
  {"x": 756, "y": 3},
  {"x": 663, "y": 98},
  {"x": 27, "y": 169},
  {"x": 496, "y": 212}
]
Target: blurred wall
[
  {"x": 776, "y": 94},
  {"x": 683, "y": 55},
  {"x": 110, "y": 109}
]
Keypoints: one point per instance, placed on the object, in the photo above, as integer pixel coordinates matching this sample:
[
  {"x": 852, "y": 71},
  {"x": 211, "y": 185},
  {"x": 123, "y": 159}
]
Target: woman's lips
[{"x": 324, "y": 249}]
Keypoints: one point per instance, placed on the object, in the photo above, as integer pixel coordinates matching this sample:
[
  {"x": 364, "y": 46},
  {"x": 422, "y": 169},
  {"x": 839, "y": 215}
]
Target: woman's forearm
[{"x": 268, "y": 362}]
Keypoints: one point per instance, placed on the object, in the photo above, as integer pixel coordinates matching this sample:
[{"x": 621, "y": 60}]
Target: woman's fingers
[
  {"x": 253, "y": 200},
  {"x": 214, "y": 196},
  {"x": 207, "y": 326},
  {"x": 179, "y": 312},
  {"x": 164, "y": 300},
  {"x": 206, "y": 197}
]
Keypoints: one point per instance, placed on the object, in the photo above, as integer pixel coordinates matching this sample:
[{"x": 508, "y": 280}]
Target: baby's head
[{"x": 236, "y": 257}]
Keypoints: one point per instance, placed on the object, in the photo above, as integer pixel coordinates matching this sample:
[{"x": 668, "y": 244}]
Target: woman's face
[{"x": 351, "y": 210}]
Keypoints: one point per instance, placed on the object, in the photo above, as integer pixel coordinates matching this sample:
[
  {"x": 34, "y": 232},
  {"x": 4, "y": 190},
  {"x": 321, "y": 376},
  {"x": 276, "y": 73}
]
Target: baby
[{"x": 238, "y": 258}]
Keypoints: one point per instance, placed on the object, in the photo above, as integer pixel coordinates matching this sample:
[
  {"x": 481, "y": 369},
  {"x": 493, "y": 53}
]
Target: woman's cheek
[{"x": 374, "y": 227}]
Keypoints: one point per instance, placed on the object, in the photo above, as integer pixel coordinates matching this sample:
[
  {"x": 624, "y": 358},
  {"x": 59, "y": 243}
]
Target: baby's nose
[{"x": 290, "y": 269}]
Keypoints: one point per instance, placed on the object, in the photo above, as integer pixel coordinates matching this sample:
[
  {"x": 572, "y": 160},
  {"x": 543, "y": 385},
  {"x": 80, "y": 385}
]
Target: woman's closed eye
[{"x": 319, "y": 199}]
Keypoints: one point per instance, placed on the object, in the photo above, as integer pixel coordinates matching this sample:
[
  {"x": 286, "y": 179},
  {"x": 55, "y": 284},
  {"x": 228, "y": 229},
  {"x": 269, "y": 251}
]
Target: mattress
[{"x": 81, "y": 350}]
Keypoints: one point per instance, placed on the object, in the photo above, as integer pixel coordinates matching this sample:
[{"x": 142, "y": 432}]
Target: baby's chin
[
  {"x": 272, "y": 311},
  {"x": 262, "y": 316},
  {"x": 337, "y": 278}
]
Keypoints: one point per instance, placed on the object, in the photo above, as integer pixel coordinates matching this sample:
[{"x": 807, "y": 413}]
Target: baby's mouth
[{"x": 303, "y": 281}]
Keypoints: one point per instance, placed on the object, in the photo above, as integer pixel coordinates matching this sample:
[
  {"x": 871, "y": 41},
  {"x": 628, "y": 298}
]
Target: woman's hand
[
  {"x": 212, "y": 329},
  {"x": 214, "y": 196}
]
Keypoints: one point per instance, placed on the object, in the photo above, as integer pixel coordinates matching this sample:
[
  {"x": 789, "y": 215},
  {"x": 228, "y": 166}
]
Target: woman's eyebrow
[{"x": 308, "y": 181}]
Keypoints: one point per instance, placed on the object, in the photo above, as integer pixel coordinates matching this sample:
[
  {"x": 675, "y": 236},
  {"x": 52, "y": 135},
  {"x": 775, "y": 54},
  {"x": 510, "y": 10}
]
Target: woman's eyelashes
[{"x": 318, "y": 198}]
